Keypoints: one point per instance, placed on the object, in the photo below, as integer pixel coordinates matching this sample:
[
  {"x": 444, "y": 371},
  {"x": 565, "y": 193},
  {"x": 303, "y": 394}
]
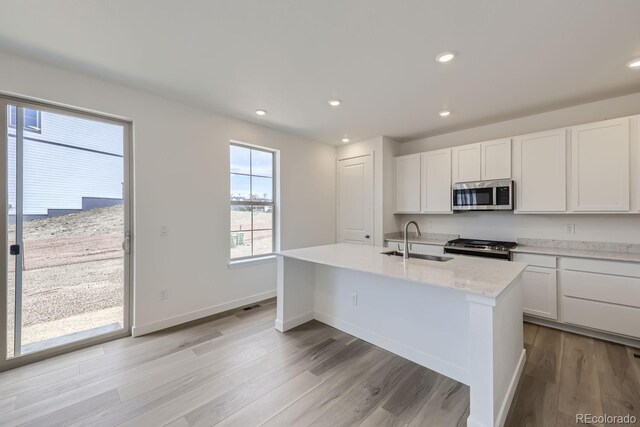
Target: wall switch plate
[
  {"x": 571, "y": 229},
  {"x": 164, "y": 231},
  {"x": 354, "y": 300}
]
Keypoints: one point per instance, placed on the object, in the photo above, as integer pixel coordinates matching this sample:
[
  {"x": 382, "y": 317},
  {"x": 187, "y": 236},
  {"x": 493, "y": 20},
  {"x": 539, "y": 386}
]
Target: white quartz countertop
[
  {"x": 578, "y": 253},
  {"x": 473, "y": 275}
]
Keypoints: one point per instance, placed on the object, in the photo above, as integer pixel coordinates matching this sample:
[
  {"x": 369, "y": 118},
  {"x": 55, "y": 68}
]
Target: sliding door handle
[
  {"x": 126, "y": 243},
  {"x": 14, "y": 249}
]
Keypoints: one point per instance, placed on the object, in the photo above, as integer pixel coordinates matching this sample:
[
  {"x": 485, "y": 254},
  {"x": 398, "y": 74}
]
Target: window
[
  {"x": 252, "y": 201},
  {"x": 31, "y": 119}
]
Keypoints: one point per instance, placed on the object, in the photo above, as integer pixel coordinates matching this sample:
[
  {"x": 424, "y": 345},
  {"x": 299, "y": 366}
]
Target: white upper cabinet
[
  {"x": 436, "y": 181},
  {"x": 496, "y": 159},
  {"x": 590, "y": 168},
  {"x": 408, "y": 176},
  {"x": 635, "y": 163},
  {"x": 600, "y": 165},
  {"x": 482, "y": 161},
  {"x": 540, "y": 170},
  {"x": 466, "y": 163}
]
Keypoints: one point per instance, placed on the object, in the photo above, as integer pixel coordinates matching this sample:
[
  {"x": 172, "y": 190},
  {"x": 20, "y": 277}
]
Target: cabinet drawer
[
  {"x": 603, "y": 316},
  {"x": 601, "y": 287},
  {"x": 618, "y": 268},
  {"x": 536, "y": 260}
]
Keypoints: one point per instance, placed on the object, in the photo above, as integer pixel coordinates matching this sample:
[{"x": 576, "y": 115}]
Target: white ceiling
[{"x": 291, "y": 56}]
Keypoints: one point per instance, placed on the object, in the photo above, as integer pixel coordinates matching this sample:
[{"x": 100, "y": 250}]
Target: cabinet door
[
  {"x": 496, "y": 159},
  {"x": 540, "y": 295},
  {"x": 436, "y": 181},
  {"x": 466, "y": 163},
  {"x": 408, "y": 183},
  {"x": 540, "y": 171},
  {"x": 600, "y": 166},
  {"x": 635, "y": 163}
]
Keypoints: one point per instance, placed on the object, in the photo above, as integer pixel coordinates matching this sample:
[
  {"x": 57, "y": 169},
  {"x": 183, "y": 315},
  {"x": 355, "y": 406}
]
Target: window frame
[
  {"x": 250, "y": 203},
  {"x": 37, "y": 129}
]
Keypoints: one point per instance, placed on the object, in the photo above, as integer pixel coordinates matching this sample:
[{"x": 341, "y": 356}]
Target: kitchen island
[{"x": 461, "y": 318}]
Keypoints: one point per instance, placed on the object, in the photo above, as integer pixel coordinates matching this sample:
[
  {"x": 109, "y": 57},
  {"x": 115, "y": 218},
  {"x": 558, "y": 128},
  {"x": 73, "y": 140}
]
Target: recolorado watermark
[{"x": 605, "y": 419}]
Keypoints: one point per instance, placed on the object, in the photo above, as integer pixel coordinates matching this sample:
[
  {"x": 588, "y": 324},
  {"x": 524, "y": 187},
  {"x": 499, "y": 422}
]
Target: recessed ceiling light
[
  {"x": 334, "y": 102},
  {"x": 345, "y": 140},
  {"x": 261, "y": 112},
  {"x": 445, "y": 57},
  {"x": 634, "y": 64},
  {"x": 444, "y": 113}
]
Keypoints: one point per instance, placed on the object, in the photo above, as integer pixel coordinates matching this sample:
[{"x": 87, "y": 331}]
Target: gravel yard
[
  {"x": 72, "y": 274},
  {"x": 260, "y": 242}
]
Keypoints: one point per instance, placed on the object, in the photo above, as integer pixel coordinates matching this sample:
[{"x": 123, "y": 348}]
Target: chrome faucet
[{"x": 405, "y": 254}]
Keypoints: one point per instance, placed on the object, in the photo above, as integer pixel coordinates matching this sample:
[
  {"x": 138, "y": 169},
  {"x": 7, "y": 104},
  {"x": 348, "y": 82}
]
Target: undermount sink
[{"x": 419, "y": 256}]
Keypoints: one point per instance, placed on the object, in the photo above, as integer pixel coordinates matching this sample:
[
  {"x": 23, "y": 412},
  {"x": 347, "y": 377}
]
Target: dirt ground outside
[
  {"x": 72, "y": 275},
  {"x": 73, "y": 270},
  {"x": 260, "y": 241}
]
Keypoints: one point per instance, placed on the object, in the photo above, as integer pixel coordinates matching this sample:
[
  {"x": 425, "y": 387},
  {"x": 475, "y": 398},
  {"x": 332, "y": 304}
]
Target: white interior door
[{"x": 355, "y": 200}]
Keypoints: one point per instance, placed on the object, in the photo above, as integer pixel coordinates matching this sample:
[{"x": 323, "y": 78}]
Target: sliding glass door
[{"x": 66, "y": 228}]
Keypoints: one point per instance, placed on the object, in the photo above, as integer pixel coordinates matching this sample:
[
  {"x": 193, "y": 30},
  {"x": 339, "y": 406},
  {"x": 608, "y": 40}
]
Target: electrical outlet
[
  {"x": 164, "y": 231},
  {"x": 428, "y": 225},
  {"x": 164, "y": 294},
  {"x": 571, "y": 229},
  {"x": 354, "y": 300}
]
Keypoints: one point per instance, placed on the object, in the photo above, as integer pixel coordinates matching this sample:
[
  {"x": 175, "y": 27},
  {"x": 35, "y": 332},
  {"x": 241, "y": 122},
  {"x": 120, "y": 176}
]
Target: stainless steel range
[{"x": 483, "y": 248}]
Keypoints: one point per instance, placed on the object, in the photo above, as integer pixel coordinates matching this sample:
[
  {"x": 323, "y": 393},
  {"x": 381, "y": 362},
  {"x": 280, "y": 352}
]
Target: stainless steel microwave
[{"x": 483, "y": 196}]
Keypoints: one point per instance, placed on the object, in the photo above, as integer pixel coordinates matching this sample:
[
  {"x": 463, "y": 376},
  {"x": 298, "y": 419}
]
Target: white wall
[
  {"x": 592, "y": 112},
  {"x": 181, "y": 166},
  {"x": 500, "y": 225}
]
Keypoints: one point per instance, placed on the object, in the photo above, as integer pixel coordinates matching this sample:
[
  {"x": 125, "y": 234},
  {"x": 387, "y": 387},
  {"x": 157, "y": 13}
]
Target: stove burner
[{"x": 486, "y": 248}]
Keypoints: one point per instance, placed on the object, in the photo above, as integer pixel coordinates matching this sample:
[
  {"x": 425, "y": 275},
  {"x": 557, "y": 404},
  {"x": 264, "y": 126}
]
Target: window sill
[{"x": 248, "y": 262}]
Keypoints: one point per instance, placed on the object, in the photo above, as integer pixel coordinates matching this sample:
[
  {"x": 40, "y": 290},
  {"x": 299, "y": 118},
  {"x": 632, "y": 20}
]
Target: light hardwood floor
[
  {"x": 567, "y": 374},
  {"x": 237, "y": 370}
]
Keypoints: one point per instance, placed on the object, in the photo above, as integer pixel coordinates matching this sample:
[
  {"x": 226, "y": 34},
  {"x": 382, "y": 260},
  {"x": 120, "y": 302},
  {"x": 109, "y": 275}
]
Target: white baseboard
[
  {"x": 441, "y": 366},
  {"x": 139, "y": 330},
  {"x": 292, "y": 323}
]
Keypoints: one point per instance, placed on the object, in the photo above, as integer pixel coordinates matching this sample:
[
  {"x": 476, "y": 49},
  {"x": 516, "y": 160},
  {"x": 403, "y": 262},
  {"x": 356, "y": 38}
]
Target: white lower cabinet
[
  {"x": 539, "y": 285},
  {"x": 605, "y": 317},
  {"x": 540, "y": 292},
  {"x": 594, "y": 294},
  {"x": 601, "y": 301}
]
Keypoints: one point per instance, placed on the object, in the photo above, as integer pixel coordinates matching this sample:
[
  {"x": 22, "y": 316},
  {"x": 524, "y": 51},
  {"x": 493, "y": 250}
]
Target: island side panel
[
  {"x": 423, "y": 323},
  {"x": 295, "y": 291},
  {"x": 498, "y": 355}
]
